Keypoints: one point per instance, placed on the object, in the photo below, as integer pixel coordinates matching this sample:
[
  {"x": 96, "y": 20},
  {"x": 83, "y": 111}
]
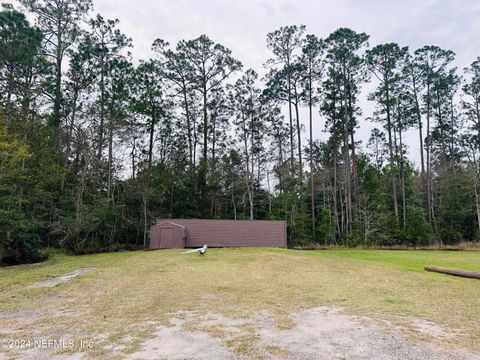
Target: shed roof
[{"x": 160, "y": 223}]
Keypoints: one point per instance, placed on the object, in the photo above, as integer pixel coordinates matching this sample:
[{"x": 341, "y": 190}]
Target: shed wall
[
  {"x": 166, "y": 235},
  {"x": 232, "y": 233}
]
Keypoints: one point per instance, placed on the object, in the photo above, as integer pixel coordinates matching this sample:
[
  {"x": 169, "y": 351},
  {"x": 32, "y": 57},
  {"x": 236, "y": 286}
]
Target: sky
[{"x": 242, "y": 26}]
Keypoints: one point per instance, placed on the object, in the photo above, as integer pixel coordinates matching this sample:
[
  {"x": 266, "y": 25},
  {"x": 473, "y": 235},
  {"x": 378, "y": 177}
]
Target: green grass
[
  {"x": 129, "y": 293},
  {"x": 416, "y": 260}
]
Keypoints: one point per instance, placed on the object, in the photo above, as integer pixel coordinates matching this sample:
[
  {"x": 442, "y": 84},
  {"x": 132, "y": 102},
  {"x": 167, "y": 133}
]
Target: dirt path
[
  {"x": 60, "y": 279},
  {"x": 319, "y": 333}
]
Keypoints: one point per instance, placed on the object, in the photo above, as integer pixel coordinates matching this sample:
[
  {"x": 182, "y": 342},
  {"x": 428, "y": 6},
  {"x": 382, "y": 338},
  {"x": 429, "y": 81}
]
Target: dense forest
[{"x": 95, "y": 145}]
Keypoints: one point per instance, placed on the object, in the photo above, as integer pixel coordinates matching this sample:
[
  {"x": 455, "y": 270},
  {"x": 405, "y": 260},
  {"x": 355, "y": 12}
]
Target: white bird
[{"x": 201, "y": 250}]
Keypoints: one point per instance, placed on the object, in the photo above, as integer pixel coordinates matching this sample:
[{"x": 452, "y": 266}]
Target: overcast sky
[{"x": 242, "y": 26}]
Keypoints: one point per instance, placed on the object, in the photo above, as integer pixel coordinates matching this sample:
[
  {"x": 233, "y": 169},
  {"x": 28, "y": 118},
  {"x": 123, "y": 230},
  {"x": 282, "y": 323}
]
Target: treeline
[{"x": 94, "y": 147}]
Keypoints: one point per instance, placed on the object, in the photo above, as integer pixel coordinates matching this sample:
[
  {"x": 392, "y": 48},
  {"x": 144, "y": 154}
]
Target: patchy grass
[{"x": 128, "y": 294}]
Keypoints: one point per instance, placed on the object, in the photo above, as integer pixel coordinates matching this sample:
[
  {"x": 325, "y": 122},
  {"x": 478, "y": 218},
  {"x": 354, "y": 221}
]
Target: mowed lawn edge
[{"x": 128, "y": 292}]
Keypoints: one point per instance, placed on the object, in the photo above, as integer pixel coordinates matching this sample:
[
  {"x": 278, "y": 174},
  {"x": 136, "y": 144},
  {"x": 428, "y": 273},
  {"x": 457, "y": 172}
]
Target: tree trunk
[
  {"x": 269, "y": 193},
  {"x": 334, "y": 193},
  {"x": 71, "y": 125},
  {"x": 402, "y": 180},
  {"x": 429, "y": 174},
  {"x": 299, "y": 141},
  {"x": 390, "y": 146},
  {"x": 204, "y": 164},
  {"x": 452, "y": 135},
  {"x": 110, "y": 161},
  {"x": 252, "y": 177},
  {"x": 8, "y": 102},
  {"x": 58, "y": 86},
  {"x": 150, "y": 147},
  {"x": 310, "y": 113},
  {"x": 348, "y": 182},
  {"x": 189, "y": 127},
  {"x": 102, "y": 109},
  {"x": 145, "y": 217},
  {"x": 249, "y": 172},
  {"x": 420, "y": 126},
  {"x": 454, "y": 272},
  {"x": 475, "y": 167},
  {"x": 213, "y": 124},
  {"x": 290, "y": 118},
  {"x": 233, "y": 203},
  {"x": 133, "y": 155},
  {"x": 477, "y": 197},
  {"x": 352, "y": 140},
  {"x": 69, "y": 135}
]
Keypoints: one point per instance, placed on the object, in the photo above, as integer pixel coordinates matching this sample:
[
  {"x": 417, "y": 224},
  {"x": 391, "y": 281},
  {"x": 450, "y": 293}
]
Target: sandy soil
[
  {"x": 60, "y": 279},
  {"x": 319, "y": 333}
]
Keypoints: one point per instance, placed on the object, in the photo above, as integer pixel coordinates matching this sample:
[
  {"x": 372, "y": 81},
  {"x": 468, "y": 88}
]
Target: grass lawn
[{"x": 128, "y": 294}]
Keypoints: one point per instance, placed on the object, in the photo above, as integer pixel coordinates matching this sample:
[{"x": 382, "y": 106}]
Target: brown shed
[
  {"x": 218, "y": 233},
  {"x": 167, "y": 235}
]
